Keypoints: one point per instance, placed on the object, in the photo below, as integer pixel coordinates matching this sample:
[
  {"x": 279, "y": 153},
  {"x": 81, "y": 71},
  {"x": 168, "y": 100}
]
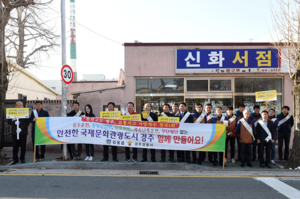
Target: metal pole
[{"x": 63, "y": 53}]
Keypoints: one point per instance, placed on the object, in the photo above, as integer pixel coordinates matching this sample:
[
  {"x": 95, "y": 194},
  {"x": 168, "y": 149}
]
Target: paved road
[{"x": 68, "y": 186}]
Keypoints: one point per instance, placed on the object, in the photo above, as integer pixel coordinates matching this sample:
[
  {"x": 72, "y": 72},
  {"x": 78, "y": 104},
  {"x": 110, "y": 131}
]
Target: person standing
[
  {"x": 198, "y": 118},
  {"x": 239, "y": 115},
  {"x": 175, "y": 110},
  {"x": 275, "y": 121},
  {"x": 114, "y": 150},
  {"x": 36, "y": 113},
  {"x": 185, "y": 117},
  {"x": 130, "y": 111},
  {"x": 255, "y": 117},
  {"x": 166, "y": 113},
  {"x": 220, "y": 118},
  {"x": 245, "y": 130},
  {"x": 75, "y": 113},
  {"x": 88, "y": 147},
  {"x": 265, "y": 137},
  {"x": 286, "y": 122},
  {"x": 152, "y": 117},
  {"x": 209, "y": 119},
  {"x": 231, "y": 134},
  {"x": 23, "y": 132}
]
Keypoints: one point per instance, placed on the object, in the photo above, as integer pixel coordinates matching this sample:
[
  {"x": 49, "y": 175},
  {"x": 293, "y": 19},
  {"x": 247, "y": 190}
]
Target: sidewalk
[{"x": 51, "y": 163}]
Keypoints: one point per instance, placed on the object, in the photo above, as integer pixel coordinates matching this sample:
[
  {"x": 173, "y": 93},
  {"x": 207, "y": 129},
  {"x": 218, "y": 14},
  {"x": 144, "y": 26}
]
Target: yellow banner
[
  {"x": 135, "y": 117},
  {"x": 168, "y": 119},
  {"x": 17, "y": 113},
  {"x": 263, "y": 96},
  {"x": 110, "y": 114}
]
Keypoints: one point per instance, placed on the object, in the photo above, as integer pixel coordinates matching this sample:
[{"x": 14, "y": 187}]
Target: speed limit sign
[{"x": 67, "y": 74}]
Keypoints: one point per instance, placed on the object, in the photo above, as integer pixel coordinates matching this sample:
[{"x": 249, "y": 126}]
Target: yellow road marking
[{"x": 155, "y": 176}]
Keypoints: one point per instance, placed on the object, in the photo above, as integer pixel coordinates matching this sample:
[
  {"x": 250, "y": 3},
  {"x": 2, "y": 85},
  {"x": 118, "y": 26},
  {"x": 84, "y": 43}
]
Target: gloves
[
  {"x": 19, "y": 130},
  {"x": 17, "y": 123}
]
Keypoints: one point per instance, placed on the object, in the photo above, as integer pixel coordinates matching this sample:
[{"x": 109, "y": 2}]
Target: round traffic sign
[{"x": 67, "y": 74}]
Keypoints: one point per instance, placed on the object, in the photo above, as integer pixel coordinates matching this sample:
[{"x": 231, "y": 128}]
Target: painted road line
[
  {"x": 147, "y": 176},
  {"x": 281, "y": 187}
]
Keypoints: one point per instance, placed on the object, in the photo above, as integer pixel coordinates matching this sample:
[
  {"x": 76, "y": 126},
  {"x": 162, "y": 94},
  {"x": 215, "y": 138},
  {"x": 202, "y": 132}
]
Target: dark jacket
[
  {"x": 210, "y": 119},
  {"x": 41, "y": 113},
  {"x": 168, "y": 114},
  {"x": 243, "y": 134},
  {"x": 239, "y": 115},
  {"x": 286, "y": 126},
  {"x": 231, "y": 126},
  {"x": 91, "y": 115},
  {"x": 73, "y": 113},
  {"x": 152, "y": 115},
  {"x": 23, "y": 126},
  {"x": 188, "y": 120},
  {"x": 195, "y": 117},
  {"x": 261, "y": 134}
]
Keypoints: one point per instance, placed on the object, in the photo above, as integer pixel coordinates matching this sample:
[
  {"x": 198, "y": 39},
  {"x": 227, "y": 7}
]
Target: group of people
[{"x": 254, "y": 133}]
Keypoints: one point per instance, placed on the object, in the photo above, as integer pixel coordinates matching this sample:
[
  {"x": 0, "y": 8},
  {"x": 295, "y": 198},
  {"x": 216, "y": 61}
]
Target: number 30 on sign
[{"x": 67, "y": 74}]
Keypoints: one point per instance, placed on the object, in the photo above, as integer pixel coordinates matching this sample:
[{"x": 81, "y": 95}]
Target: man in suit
[
  {"x": 152, "y": 117},
  {"x": 23, "y": 132},
  {"x": 38, "y": 112},
  {"x": 239, "y": 115},
  {"x": 198, "y": 118},
  {"x": 185, "y": 117},
  {"x": 255, "y": 117},
  {"x": 265, "y": 137},
  {"x": 166, "y": 113}
]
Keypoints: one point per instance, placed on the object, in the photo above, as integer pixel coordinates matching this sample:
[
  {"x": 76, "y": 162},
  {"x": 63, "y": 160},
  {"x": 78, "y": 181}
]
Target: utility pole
[{"x": 63, "y": 53}]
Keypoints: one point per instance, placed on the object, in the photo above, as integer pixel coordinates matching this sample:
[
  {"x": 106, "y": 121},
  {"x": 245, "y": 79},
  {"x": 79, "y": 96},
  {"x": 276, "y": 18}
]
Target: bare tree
[
  {"x": 286, "y": 38},
  {"x": 6, "y": 8}
]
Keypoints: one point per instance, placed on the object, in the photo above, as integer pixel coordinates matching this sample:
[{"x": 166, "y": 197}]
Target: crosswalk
[{"x": 281, "y": 187}]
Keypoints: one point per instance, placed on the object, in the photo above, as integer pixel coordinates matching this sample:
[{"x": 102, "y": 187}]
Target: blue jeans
[
  {"x": 273, "y": 153},
  {"x": 87, "y": 149}
]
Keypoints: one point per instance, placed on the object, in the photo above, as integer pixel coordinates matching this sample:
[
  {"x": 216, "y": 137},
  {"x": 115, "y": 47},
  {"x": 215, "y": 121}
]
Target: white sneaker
[
  {"x": 272, "y": 161},
  {"x": 225, "y": 160},
  {"x": 87, "y": 158},
  {"x": 233, "y": 160},
  {"x": 91, "y": 158}
]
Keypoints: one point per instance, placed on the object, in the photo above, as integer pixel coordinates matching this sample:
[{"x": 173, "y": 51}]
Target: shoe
[
  {"x": 116, "y": 160},
  {"x": 272, "y": 161},
  {"x": 14, "y": 162},
  {"x": 172, "y": 160},
  {"x": 135, "y": 160},
  {"x": 250, "y": 165},
  {"x": 22, "y": 161},
  {"x": 233, "y": 160},
  {"x": 127, "y": 160},
  {"x": 194, "y": 162},
  {"x": 36, "y": 159},
  {"x": 91, "y": 158},
  {"x": 162, "y": 160},
  {"x": 74, "y": 157},
  {"x": 104, "y": 159},
  {"x": 243, "y": 165},
  {"x": 262, "y": 165},
  {"x": 269, "y": 166},
  {"x": 41, "y": 159},
  {"x": 87, "y": 158},
  {"x": 144, "y": 160},
  {"x": 78, "y": 158},
  {"x": 180, "y": 161},
  {"x": 225, "y": 160},
  {"x": 153, "y": 160}
]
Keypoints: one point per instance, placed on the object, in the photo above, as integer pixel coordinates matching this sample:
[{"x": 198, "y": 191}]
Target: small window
[
  {"x": 220, "y": 85},
  {"x": 197, "y": 85}
]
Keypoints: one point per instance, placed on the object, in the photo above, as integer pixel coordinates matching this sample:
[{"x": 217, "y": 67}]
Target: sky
[{"x": 151, "y": 21}]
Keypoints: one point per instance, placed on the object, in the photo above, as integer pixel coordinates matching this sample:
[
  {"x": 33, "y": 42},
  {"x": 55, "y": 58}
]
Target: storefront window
[
  {"x": 249, "y": 102},
  {"x": 157, "y": 103},
  {"x": 220, "y": 85},
  {"x": 225, "y": 103},
  {"x": 197, "y": 85},
  {"x": 249, "y": 85},
  {"x": 162, "y": 85}
]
